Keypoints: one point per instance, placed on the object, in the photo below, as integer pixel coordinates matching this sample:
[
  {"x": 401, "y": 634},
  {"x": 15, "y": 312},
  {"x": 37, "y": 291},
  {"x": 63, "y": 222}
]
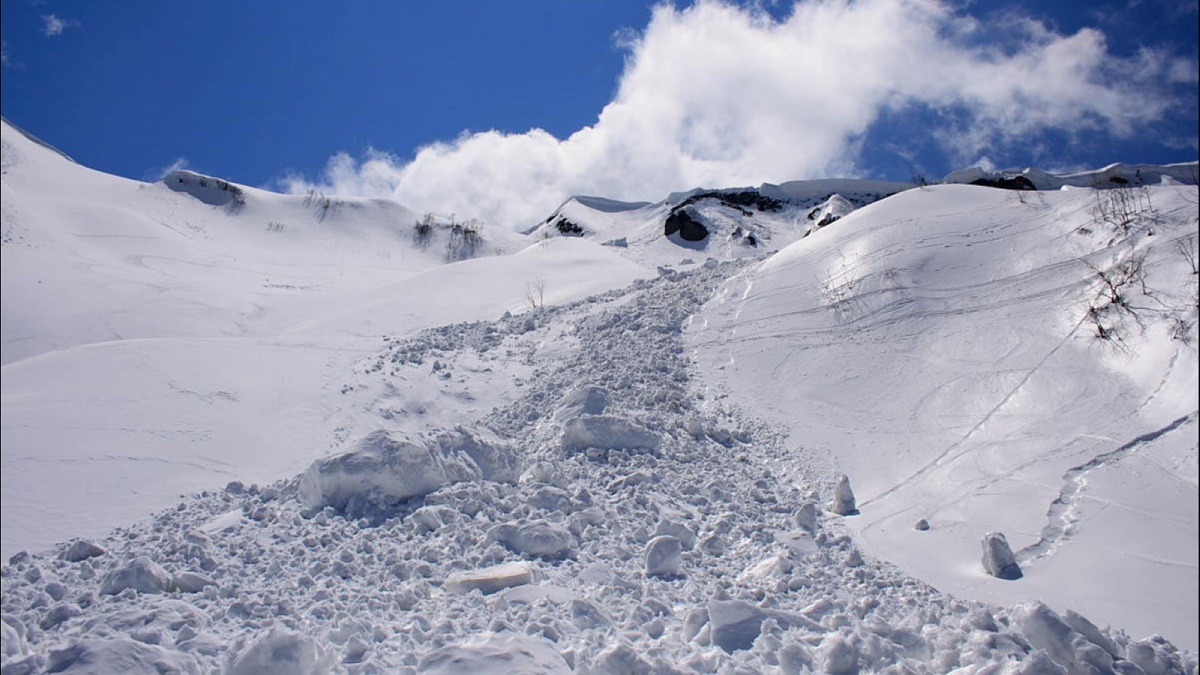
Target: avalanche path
[{"x": 608, "y": 518}]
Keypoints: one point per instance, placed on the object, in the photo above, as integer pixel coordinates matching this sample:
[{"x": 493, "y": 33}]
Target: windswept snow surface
[
  {"x": 943, "y": 348},
  {"x": 259, "y": 434}
]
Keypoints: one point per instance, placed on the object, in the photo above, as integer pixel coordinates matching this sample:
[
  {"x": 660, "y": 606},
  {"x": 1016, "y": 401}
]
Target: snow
[
  {"x": 383, "y": 471},
  {"x": 936, "y": 347},
  {"x": 257, "y": 433}
]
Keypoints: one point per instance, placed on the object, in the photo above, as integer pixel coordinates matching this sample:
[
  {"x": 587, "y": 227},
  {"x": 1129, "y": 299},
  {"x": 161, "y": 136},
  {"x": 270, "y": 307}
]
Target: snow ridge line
[{"x": 1063, "y": 515}]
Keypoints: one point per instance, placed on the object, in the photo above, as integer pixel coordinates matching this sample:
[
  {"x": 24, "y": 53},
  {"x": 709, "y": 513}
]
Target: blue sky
[{"x": 401, "y": 99}]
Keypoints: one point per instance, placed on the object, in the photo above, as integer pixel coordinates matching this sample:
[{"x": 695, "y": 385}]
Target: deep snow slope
[
  {"x": 989, "y": 360},
  {"x": 90, "y": 257}
]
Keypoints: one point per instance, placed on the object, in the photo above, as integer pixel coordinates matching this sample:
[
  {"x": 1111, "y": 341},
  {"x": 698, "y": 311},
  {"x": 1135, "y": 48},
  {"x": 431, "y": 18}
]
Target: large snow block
[
  {"x": 998, "y": 557},
  {"x": 538, "y": 538},
  {"x": 142, "y": 575},
  {"x": 278, "y": 652},
  {"x": 843, "y": 502},
  {"x": 383, "y": 470},
  {"x": 607, "y": 433}
]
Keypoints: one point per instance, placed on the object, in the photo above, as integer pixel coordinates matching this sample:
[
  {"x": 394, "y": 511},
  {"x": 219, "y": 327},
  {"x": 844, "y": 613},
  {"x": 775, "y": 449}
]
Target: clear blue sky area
[{"x": 250, "y": 91}]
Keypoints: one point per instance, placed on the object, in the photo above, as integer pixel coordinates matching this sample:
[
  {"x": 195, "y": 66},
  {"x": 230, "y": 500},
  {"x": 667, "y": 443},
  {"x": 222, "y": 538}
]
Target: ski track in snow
[{"x": 1064, "y": 512}]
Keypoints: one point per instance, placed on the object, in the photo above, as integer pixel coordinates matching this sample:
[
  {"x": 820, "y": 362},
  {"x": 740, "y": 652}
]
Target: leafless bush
[
  {"x": 535, "y": 293},
  {"x": 1112, "y": 309},
  {"x": 465, "y": 240},
  {"x": 1124, "y": 210},
  {"x": 423, "y": 231}
]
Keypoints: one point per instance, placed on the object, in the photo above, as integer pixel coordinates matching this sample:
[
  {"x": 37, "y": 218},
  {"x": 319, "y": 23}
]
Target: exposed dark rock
[
  {"x": 568, "y": 228},
  {"x": 740, "y": 200},
  {"x": 689, "y": 229},
  {"x": 1006, "y": 183}
]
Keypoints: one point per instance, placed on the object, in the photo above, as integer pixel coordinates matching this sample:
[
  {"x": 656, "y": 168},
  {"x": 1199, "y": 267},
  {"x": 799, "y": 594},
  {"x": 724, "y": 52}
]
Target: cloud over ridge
[{"x": 720, "y": 95}]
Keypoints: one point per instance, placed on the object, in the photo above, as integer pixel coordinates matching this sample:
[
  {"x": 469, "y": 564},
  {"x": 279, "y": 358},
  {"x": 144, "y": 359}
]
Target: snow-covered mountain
[{"x": 253, "y": 433}]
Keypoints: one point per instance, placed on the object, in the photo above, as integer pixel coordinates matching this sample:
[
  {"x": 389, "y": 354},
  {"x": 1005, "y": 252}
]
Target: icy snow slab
[{"x": 492, "y": 579}]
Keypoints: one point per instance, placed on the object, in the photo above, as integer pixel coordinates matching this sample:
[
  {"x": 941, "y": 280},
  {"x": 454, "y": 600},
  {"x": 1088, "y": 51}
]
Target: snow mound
[
  {"x": 142, "y": 575},
  {"x": 495, "y": 653},
  {"x": 383, "y": 471},
  {"x": 278, "y": 652}
]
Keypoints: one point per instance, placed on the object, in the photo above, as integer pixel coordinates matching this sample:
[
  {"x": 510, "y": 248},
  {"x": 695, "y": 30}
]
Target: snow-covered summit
[
  {"x": 725, "y": 224},
  {"x": 1113, "y": 175}
]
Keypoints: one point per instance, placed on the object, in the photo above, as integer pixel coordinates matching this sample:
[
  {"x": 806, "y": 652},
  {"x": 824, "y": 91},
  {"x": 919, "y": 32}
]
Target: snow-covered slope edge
[
  {"x": 991, "y": 360},
  {"x": 642, "y": 529}
]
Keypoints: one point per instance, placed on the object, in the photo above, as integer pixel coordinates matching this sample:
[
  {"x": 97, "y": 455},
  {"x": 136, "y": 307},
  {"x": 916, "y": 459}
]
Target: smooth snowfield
[
  {"x": 250, "y": 433},
  {"x": 937, "y": 347},
  {"x": 157, "y": 345}
]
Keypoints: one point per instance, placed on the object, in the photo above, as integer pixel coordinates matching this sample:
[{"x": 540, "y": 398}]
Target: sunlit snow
[{"x": 831, "y": 426}]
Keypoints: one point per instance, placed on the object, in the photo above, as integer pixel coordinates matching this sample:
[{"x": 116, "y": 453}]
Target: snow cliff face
[{"x": 604, "y": 459}]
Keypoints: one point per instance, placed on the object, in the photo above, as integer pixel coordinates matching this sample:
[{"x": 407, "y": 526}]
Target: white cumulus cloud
[
  {"x": 52, "y": 25},
  {"x": 722, "y": 95}
]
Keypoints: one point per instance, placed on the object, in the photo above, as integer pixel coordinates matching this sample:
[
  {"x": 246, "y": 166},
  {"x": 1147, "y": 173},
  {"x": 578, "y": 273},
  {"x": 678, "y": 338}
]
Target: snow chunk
[
  {"x": 838, "y": 655},
  {"x": 491, "y": 579},
  {"x": 383, "y": 471},
  {"x": 735, "y": 624},
  {"x": 664, "y": 556},
  {"x": 843, "y": 498},
  {"x": 190, "y": 582},
  {"x": 1048, "y": 631},
  {"x": 585, "y": 400},
  {"x": 142, "y": 575},
  {"x": 495, "y": 653},
  {"x": 81, "y": 550},
  {"x": 607, "y": 433},
  {"x": 806, "y": 517},
  {"x": 279, "y": 652},
  {"x": 534, "y": 537},
  {"x": 619, "y": 659},
  {"x": 119, "y": 655},
  {"x": 998, "y": 558}
]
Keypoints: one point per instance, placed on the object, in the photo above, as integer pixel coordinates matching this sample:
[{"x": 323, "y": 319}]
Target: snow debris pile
[{"x": 609, "y": 519}]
